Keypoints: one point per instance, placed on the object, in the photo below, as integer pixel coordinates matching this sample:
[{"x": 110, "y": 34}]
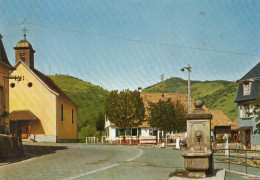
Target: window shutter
[
  {"x": 139, "y": 131},
  {"x": 150, "y": 132},
  {"x": 128, "y": 132},
  {"x": 117, "y": 132},
  {"x": 164, "y": 134}
]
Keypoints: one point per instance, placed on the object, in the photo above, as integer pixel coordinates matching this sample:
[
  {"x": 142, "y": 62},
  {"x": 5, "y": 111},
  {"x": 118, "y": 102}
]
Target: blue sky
[{"x": 120, "y": 44}]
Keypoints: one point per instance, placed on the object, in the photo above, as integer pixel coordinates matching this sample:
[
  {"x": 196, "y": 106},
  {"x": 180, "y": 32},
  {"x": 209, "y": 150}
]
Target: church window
[
  {"x": 247, "y": 88},
  {"x": 22, "y": 56},
  {"x": 72, "y": 116},
  {"x": 30, "y": 84},
  {"x": 62, "y": 120},
  {"x": 12, "y": 85}
]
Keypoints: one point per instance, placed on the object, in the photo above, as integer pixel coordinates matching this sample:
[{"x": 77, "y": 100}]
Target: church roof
[
  {"x": 49, "y": 82},
  {"x": 3, "y": 57},
  {"x": 24, "y": 43}
]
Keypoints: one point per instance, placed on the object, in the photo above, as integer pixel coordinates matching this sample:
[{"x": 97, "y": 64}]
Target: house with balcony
[{"x": 249, "y": 88}]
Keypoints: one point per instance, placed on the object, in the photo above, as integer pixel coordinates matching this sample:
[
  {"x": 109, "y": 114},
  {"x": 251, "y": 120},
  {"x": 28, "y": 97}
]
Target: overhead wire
[{"x": 141, "y": 41}]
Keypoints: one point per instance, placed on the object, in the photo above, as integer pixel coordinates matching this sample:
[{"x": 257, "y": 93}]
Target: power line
[{"x": 142, "y": 41}]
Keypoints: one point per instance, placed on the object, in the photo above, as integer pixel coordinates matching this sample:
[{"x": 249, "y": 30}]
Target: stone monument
[{"x": 199, "y": 158}]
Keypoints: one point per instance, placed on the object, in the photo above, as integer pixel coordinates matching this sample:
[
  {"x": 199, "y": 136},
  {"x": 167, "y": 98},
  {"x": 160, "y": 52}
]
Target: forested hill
[
  {"x": 89, "y": 97},
  {"x": 218, "y": 95}
]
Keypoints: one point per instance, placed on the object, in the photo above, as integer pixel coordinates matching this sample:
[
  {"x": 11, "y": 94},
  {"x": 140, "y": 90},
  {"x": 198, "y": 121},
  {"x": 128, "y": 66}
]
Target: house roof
[
  {"x": 155, "y": 97},
  {"x": 255, "y": 89},
  {"x": 3, "y": 57},
  {"x": 253, "y": 76},
  {"x": 254, "y": 72},
  {"x": 48, "y": 82},
  {"x": 22, "y": 115},
  {"x": 220, "y": 119}
]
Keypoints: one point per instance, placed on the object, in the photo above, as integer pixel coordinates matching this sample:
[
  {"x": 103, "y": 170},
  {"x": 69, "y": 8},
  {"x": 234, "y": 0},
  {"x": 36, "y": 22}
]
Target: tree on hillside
[
  {"x": 257, "y": 112},
  {"x": 100, "y": 123},
  {"x": 167, "y": 115},
  {"x": 125, "y": 109}
]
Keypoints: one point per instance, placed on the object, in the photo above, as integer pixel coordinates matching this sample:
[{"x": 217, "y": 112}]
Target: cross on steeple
[{"x": 24, "y": 30}]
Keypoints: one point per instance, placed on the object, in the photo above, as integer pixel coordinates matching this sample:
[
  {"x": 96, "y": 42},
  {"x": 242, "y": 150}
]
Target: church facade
[{"x": 39, "y": 109}]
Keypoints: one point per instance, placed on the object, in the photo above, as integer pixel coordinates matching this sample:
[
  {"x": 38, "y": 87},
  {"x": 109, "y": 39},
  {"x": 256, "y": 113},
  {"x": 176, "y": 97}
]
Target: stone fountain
[{"x": 198, "y": 160}]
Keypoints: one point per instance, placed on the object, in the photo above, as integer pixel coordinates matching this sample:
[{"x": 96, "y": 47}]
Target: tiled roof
[
  {"x": 49, "y": 82},
  {"x": 22, "y": 115},
  {"x": 220, "y": 119},
  {"x": 155, "y": 97}
]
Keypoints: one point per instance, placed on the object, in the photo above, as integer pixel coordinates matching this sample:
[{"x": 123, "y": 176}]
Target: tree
[
  {"x": 100, "y": 123},
  {"x": 256, "y": 105},
  {"x": 167, "y": 115},
  {"x": 125, "y": 109}
]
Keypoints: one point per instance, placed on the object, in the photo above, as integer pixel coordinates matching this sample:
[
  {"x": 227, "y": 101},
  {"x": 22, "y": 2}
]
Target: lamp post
[{"x": 189, "y": 91}]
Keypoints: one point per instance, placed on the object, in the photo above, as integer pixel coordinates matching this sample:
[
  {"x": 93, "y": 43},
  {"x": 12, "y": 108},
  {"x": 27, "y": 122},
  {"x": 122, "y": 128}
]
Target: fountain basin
[{"x": 198, "y": 163}]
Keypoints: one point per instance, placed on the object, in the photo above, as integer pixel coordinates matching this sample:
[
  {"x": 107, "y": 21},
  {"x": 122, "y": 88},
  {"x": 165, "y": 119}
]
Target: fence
[
  {"x": 234, "y": 153},
  {"x": 134, "y": 140},
  {"x": 147, "y": 140},
  {"x": 95, "y": 140}
]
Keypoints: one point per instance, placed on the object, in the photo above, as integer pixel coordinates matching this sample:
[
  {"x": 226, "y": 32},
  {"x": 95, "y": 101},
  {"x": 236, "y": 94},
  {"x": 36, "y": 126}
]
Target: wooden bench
[{"x": 147, "y": 140}]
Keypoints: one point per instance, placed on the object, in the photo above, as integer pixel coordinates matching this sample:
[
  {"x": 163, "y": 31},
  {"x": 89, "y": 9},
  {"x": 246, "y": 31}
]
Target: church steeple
[{"x": 24, "y": 52}]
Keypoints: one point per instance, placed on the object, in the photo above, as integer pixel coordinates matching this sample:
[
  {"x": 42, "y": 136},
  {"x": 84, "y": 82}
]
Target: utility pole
[
  {"x": 162, "y": 77},
  {"x": 189, "y": 90}
]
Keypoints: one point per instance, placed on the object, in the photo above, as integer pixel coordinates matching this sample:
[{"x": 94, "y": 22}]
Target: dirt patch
[{"x": 250, "y": 162}]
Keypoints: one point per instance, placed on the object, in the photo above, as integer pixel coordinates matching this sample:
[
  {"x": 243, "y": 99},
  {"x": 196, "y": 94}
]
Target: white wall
[
  {"x": 112, "y": 133},
  {"x": 144, "y": 131}
]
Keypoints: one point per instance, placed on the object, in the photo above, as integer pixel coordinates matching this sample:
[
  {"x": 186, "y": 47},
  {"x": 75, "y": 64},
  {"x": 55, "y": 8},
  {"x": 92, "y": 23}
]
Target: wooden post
[{"x": 29, "y": 128}]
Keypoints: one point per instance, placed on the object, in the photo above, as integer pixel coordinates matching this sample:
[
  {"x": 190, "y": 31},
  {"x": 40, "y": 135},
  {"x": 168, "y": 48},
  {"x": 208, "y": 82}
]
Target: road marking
[
  {"x": 104, "y": 168},
  {"x": 137, "y": 156},
  {"x": 246, "y": 175}
]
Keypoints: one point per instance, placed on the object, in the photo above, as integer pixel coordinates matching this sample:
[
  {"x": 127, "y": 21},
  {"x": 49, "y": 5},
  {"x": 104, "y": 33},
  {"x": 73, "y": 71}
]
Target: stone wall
[{"x": 10, "y": 147}]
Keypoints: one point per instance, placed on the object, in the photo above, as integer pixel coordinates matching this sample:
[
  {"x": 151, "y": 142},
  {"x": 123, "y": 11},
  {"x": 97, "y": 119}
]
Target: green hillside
[
  {"x": 218, "y": 95},
  {"x": 89, "y": 97}
]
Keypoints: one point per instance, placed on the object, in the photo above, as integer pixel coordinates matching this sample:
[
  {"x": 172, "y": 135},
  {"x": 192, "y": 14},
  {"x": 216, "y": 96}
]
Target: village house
[
  {"x": 249, "y": 88},
  {"x": 39, "y": 109},
  {"x": 5, "y": 68},
  {"x": 220, "y": 124}
]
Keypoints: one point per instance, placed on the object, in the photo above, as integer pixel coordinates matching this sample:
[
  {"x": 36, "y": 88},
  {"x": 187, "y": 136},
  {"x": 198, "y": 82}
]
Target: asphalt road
[{"x": 81, "y": 161}]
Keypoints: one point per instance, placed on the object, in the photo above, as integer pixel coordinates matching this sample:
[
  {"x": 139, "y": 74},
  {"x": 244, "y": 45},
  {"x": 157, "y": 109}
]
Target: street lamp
[{"x": 189, "y": 91}]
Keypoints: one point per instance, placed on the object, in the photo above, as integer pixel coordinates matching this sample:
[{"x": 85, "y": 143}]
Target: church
[{"x": 39, "y": 109}]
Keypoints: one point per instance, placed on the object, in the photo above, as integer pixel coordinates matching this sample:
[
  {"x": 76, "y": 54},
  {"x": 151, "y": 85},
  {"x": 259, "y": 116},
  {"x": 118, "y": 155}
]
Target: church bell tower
[{"x": 24, "y": 52}]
